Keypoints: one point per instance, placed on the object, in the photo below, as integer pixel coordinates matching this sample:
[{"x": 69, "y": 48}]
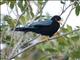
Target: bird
[{"x": 46, "y": 27}]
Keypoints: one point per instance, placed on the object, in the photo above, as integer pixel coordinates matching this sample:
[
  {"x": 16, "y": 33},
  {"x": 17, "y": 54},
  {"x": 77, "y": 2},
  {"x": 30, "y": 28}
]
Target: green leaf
[
  {"x": 69, "y": 28},
  {"x": 32, "y": 14},
  {"x": 62, "y": 41},
  {"x": 11, "y": 0},
  {"x": 64, "y": 30},
  {"x": 10, "y": 21},
  {"x": 31, "y": 10},
  {"x": 76, "y": 53},
  {"x": 51, "y": 49},
  {"x": 77, "y": 10},
  {"x": 7, "y": 40},
  {"x": 75, "y": 3},
  {"x": 21, "y": 5},
  {"x": 43, "y": 47},
  {"x": 40, "y": 47},
  {"x": 75, "y": 38},
  {"x": 12, "y": 4},
  {"x": 2, "y": 2},
  {"x": 40, "y": 2},
  {"x": 22, "y": 20}
]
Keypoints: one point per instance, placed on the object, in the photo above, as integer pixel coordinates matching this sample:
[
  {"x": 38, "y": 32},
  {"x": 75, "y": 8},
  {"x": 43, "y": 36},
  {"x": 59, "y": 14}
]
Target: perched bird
[{"x": 47, "y": 27}]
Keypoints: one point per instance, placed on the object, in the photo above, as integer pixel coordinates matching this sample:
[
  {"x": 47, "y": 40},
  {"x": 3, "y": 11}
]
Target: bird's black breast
[{"x": 52, "y": 29}]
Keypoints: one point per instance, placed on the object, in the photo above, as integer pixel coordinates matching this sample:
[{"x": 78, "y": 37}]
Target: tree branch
[
  {"x": 14, "y": 49},
  {"x": 66, "y": 9},
  {"x": 67, "y": 17},
  {"x": 30, "y": 21},
  {"x": 64, "y": 34},
  {"x": 38, "y": 42}
]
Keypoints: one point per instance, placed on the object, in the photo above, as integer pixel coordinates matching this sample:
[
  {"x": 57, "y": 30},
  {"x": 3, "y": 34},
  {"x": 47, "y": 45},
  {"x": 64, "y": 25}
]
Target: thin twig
[
  {"x": 38, "y": 42},
  {"x": 66, "y": 9},
  {"x": 29, "y": 42},
  {"x": 30, "y": 21},
  {"x": 64, "y": 34},
  {"x": 67, "y": 17},
  {"x": 63, "y": 7},
  {"x": 15, "y": 47},
  {"x": 13, "y": 50}
]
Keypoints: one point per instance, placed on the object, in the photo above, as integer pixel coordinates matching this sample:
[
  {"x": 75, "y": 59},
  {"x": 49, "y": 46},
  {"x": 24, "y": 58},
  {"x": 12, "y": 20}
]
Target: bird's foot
[{"x": 44, "y": 38}]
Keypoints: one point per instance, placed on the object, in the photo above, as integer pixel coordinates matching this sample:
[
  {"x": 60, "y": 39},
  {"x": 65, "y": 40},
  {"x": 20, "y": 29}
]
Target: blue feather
[{"x": 41, "y": 23}]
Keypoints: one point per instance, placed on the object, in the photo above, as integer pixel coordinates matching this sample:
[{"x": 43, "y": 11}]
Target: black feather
[{"x": 48, "y": 27}]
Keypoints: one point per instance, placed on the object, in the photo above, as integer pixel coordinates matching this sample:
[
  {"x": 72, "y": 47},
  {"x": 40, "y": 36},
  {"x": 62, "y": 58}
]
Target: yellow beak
[{"x": 60, "y": 22}]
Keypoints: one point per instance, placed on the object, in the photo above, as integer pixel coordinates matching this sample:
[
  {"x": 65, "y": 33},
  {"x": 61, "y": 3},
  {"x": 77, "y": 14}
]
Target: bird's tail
[{"x": 22, "y": 29}]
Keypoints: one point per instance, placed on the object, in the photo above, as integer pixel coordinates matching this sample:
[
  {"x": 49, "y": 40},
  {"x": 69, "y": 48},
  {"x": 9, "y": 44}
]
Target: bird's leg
[
  {"x": 57, "y": 33},
  {"x": 44, "y": 38}
]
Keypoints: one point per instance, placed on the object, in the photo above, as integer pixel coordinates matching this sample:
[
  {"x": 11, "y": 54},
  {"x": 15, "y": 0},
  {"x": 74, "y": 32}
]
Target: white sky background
[{"x": 53, "y": 8}]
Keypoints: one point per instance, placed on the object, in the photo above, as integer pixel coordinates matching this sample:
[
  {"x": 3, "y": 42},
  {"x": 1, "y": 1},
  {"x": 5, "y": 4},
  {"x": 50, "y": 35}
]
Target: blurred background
[{"x": 15, "y": 13}]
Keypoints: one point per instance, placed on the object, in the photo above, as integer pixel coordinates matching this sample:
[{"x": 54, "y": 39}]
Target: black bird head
[{"x": 57, "y": 18}]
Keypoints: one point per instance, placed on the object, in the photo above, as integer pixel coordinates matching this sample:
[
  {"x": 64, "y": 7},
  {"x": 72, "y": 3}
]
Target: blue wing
[{"x": 41, "y": 23}]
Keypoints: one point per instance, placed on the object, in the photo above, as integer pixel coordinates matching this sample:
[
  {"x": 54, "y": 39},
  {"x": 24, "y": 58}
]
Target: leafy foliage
[
  {"x": 10, "y": 21},
  {"x": 77, "y": 10}
]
